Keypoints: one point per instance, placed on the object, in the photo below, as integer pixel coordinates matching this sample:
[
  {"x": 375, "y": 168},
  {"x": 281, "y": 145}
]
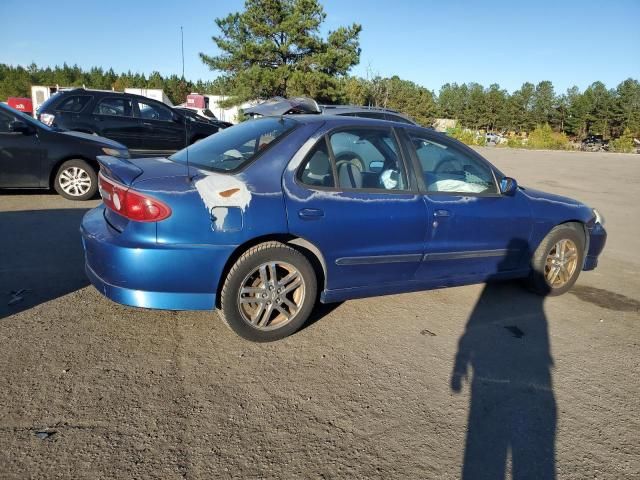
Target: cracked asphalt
[{"x": 485, "y": 380}]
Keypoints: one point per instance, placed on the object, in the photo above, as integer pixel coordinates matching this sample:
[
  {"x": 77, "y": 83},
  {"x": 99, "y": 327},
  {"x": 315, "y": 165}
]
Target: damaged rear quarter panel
[{"x": 228, "y": 208}]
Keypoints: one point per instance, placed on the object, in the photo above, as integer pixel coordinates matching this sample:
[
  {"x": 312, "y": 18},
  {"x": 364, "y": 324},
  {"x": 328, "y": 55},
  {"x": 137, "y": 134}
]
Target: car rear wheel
[
  {"x": 558, "y": 260},
  {"x": 76, "y": 180},
  {"x": 269, "y": 292}
]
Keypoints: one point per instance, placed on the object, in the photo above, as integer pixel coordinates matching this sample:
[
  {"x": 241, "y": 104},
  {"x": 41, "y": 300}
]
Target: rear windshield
[
  {"x": 48, "y": 102},
  {"x": 233, "y": 147}
]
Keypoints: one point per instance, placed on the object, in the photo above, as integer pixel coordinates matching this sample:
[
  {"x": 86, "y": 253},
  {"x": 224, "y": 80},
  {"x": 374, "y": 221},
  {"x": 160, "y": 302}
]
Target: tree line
[
  {"x": 276, "y": 47},
  {"x": 16, "y": 81}
]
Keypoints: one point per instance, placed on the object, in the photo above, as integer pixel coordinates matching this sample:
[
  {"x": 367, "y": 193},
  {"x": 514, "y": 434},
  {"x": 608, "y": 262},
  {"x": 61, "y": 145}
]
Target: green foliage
[
  {"x": 17, "y": 81},
  {"x": 623, "y": 144},
  {"x": 274, "y": 47},
  {"x": 515, "y": 142},
  {"x": 543, "y": 137},
  {"x": 394, "y": 93},
  {"x": 467, "y": 136},
  {"x": 609, "y": 112}
]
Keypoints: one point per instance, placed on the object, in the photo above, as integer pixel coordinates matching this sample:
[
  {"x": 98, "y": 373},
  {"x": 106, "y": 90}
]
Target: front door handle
[
  {"x": 441, "y": 213},
  {"x": 310, "y": 213}
]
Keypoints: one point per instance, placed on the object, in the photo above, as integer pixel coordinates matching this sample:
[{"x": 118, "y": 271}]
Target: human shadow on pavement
[
  {"x": 41, "y": 257},
  {"x": 505, "y": 356}
]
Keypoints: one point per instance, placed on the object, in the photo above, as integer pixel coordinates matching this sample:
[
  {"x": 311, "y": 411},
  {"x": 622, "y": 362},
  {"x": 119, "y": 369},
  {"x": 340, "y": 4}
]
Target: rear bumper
[
  {"x": 597, "y": 241},
  {"x": 148, "y": 274},
  {"x": 147, "y": 299}
]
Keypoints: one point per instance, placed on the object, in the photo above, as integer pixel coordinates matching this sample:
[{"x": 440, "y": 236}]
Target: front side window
[
  {"x": 74, "y": 103},
  {"x": 233, "y": 147},
  {"x": 368, "y": 159},
  {"x": 153, "y": 111},
  {"x": 446, "y": 169},
  {"x": 116, "y": 106}
]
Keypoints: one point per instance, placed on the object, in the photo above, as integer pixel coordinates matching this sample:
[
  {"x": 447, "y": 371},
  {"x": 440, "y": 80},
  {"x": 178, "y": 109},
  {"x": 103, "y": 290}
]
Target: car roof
[
  {"x": 358, "y": 108},
  {"x": 106, "y": 93},
  {"x": 348, "y": 120}
]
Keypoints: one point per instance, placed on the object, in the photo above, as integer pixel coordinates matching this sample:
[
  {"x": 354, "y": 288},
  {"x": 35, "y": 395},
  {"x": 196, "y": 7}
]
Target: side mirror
[
  {"x": 508, "y": 186},
  {"x": 177, "y": 117},
  {"x": 18, "y": 126},
  {"x": 376, "y": 166}
]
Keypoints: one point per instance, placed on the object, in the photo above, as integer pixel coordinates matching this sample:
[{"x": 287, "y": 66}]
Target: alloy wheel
[
  {"x": 75, "y": 181},
  {"x": 271, "y": 295},
  {"x": 561, "y": 263}
]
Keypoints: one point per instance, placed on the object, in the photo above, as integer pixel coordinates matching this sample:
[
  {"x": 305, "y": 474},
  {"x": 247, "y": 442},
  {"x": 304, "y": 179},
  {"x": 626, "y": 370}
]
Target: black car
[
  {"x": 277, "y": 106},
  {"x": 594, "y": 143},
  {"x": 193, "y": 114},
  {"x": 34, "y": 155},
  {"x": 367, "y": 112},
  {"x": 145, "y": 126}
]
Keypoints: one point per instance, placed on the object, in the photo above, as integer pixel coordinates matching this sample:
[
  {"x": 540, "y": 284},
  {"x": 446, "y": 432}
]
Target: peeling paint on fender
[{"x": 217, "y": 190}]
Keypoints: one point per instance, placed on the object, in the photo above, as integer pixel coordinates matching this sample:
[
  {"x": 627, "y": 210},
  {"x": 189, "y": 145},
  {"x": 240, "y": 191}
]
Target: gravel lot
[{"x": 91, "y": 389}]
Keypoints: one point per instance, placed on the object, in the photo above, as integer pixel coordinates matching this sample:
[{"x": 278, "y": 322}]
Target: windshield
[{"x": 233, "y": 147}]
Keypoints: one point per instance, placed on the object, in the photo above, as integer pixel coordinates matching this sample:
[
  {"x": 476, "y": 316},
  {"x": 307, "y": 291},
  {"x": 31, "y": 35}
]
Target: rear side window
[
  {"x": 116, "y": 106},
  {"x": 317, "y": 170},
  {"x": 233, "y": 147},
  {"x": 74, "y": 104},
  {"x": 152, "y": 111}
]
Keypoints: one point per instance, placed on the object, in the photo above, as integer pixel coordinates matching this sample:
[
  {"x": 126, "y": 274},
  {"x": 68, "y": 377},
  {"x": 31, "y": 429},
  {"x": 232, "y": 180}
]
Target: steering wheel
[
  {"x": 349, "y": 157},
  {"x": 439, "y": 168}
]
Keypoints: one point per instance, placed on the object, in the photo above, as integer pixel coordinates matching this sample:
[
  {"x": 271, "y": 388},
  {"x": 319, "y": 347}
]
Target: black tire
[
  {"x": 537, "y": 280},
  {"x": 89, "y": 173},
  {"x": 248, "y": 262}
]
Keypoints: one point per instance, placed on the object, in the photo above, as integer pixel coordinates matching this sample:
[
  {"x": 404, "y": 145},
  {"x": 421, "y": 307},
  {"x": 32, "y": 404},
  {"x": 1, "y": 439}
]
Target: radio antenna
[{"x": 186, "y": 125}]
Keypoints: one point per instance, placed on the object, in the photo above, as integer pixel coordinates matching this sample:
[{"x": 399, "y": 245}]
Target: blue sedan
[{"x": 265, "y": 219}]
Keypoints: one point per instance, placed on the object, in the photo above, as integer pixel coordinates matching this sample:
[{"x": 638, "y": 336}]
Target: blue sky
[{"x": 430, "y": 43}]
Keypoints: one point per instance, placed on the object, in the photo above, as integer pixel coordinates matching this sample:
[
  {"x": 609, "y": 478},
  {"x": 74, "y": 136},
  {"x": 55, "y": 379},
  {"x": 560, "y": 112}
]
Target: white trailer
[{"x": 152, "y": 93}]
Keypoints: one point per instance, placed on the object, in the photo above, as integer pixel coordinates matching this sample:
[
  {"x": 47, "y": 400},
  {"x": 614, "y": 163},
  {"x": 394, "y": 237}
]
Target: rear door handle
[
  {"x": 310, "y": 213},
  {"x": 441, "y": 213}
]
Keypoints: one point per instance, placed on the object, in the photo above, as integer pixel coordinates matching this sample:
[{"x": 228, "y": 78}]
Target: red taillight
[{"x": 131, "y": 204}]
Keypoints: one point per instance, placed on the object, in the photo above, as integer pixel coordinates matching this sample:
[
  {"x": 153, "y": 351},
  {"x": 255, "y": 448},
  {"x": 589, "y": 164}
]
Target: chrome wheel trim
[
  {"x": 272, "y": 295},
  {"x": 74, "y": 181},
  {"x": 561, "y": 263}
]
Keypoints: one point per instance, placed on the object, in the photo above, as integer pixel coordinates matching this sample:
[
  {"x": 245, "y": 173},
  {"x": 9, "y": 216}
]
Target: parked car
[
  {"x": 202, "y": 115},
  {"x": 34, "y": 155},
  {"x": 266, "y": 217},
  {"x": 301, "y": 105},
  {"x": 594, "y": 143},
  {"x": 145, "y": 126},
  {"x": 367, "y": 112},
  {"x": 494, "y": 138}
]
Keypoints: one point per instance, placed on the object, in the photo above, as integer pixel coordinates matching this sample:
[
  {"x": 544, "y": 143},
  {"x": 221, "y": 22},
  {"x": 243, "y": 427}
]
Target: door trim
[
  {"x": 377, "y": 259},
  {"x": 502, "y": 252}
]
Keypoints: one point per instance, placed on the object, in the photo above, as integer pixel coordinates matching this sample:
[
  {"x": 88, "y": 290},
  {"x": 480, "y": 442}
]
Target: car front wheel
[
  {"x": 76, "y": 180},
  {"x": 269, "y": 292},
  {"x": 557, "y": 262}
]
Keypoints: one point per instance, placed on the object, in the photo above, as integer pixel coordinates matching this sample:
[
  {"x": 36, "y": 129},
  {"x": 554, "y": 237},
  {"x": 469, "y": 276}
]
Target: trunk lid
[{"x": 128, "y": 171}]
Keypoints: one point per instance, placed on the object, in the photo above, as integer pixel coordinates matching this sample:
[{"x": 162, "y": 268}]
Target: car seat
[
  {"x": 349, "y": 175},
  {"x": 317, "y": 170}
]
